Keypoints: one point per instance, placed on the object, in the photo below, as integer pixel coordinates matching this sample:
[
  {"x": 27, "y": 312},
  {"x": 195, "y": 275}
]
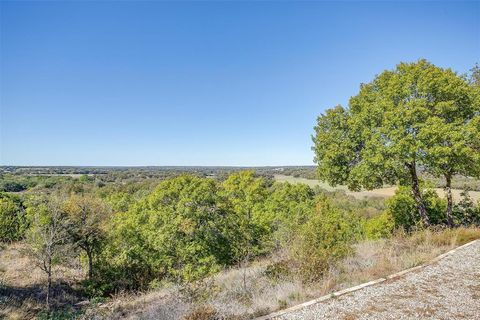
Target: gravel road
[{"x": 448, "y": 289}]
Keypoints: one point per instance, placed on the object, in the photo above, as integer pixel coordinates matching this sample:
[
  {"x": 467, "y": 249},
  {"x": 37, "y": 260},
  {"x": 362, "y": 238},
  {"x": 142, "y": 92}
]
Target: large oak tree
[{"x": 415, "y": 116}]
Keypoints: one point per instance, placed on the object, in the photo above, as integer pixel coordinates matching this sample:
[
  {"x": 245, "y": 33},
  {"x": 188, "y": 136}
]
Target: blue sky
[{"x": 202, "y": 83}]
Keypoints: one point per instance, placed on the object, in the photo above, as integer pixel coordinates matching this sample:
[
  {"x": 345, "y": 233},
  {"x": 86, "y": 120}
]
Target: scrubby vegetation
[
  {"x": 183, "y": 233},
  {"x": 234, "y": 243}
]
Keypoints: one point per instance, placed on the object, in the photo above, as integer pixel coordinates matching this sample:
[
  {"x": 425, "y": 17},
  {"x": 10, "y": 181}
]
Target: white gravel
[{"x": 448, "y": 289}]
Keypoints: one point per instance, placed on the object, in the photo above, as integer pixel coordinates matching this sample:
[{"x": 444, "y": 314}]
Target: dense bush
[
  {"x": 465, "y": 212},
  {"x": 13, "y": 222},
  {"x": 287, "y": 207},
  {"x": 18, "y": 183},
  {"x": 190, "y": 227},
  {"x": 402, "y": 208},
  {"x": 380, "y": 226},
  {"x": 177, "y": 233},
  {"x": 120, "y": 201},
  {"x": 324, "y": 239},
  {"x": 244, "y": 194}
]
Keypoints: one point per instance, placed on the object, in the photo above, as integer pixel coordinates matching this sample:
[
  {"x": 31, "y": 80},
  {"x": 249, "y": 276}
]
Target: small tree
[
  {"x": 47, "y": 236},
  {"x": 465, "y": 212},
  {"x": 324, "y": 239},
  {"x": 86, "y": 216}
]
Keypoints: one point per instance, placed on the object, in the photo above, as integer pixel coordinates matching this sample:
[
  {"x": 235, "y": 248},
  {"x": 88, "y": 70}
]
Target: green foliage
[
  {"x": 364, "y": 208},
  {"x": 380, "y": 226},
  {"x": 402, "y": 208},
  {"x": 85, "y": 178},
  {"x": 67, "y": 314},
  {"x": 19, "y": 183},
  {"x": 415, "y": 115},
  {"x": 245, "y": 194},
  {"x": 12, "y": 186},
  {"x": 287, "y": 207},
  {"x": 86, "y": 218},
  {"x": 178, "y": 233},
  {"x": 465, "y": 212},
  {"x": 120, "y": 201},
  {"x": 15, "y": 183},
  {"x": 13, "y": 222},
  {"x": 47, "y": 233},
  {"x": 324, "y": 239}
]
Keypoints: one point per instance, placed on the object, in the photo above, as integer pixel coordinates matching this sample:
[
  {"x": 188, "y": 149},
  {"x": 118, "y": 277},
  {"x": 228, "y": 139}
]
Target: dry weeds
[{"x": 22, "y": 285}]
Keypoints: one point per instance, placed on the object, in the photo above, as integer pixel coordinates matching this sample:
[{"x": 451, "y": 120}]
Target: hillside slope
[{"x": 447, "y": 289}]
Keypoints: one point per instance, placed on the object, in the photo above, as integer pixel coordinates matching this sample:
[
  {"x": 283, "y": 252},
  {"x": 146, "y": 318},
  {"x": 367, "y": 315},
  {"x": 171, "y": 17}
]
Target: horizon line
[{"x": 154, "y": 166}]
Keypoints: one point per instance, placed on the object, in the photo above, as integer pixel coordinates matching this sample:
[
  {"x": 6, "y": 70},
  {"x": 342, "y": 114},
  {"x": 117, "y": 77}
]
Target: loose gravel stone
[{"x": 447, "y": 289}]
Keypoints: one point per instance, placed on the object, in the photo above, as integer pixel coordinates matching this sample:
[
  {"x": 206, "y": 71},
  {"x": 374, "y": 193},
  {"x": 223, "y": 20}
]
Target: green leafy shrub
[
  {"x": 287, "y": 207},
  {"x": 244, "y": 194},
  {"x": 13, "y": 222},
  {"x": 120, "y": 201},
  {"x": 465, "y": 212},
  {"x": 324, "y": 239},
  {"x": 178, "y": 233},
  {"x": 402, "y": 208},
  {"x": 380, "y": 226}
]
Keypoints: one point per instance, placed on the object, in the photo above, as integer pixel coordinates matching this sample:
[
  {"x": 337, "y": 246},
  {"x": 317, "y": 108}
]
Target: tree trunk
[
  {"x": 448, "y": 192},
  {"x": 417, "y": 195},
  {"x": 49, "y": 283}
]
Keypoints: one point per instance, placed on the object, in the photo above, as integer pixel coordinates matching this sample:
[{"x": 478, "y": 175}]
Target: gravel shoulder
[{"x": 446, "y": 289}]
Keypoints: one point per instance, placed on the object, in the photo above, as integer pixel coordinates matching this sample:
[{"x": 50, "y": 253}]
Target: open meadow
[{"x": 386, "y": 192}]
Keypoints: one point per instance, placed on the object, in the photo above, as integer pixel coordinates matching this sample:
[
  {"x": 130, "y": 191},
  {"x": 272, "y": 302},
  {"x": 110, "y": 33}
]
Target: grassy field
[{"x": 383, "y": 192}]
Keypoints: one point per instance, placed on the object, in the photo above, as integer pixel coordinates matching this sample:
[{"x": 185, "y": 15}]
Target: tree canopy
[{"x": 415, "y": 116}]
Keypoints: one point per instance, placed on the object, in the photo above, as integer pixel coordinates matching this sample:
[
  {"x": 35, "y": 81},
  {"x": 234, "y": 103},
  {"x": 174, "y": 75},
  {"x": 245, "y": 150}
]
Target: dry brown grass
[
  {"x": 22, "y": 285},
  {"x": 202, "y": 313},
  {"x": 382, "y": 192},
  {"x": 379, "y": 258}
]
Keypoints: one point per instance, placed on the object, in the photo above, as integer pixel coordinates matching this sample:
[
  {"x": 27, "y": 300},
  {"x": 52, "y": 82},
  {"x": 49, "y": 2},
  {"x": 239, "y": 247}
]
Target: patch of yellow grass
[
  {"x": 379, "y": 258},
  {"x": 381, "y": 193}
]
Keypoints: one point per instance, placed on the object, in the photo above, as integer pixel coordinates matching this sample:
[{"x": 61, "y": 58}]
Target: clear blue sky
[{"x": 202, "y": 83}]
